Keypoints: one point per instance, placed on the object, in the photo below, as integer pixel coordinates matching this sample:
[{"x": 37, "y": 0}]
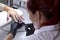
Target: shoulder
[{"x": 42, "y": 36}]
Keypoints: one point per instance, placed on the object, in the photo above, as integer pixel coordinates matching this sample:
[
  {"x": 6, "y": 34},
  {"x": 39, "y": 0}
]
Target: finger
[
  {"x": 14, "y": 18},
  {"x": 18, "y": 18},
  {"x": 22, "y": 17}
]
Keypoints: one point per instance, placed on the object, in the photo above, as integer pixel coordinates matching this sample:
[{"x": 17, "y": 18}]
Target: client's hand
[{"x": 15, "y": 16}]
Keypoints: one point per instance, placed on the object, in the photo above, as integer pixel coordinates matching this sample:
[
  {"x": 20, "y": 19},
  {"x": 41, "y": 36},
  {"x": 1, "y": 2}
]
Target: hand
[{"x": 14, "y": 15}]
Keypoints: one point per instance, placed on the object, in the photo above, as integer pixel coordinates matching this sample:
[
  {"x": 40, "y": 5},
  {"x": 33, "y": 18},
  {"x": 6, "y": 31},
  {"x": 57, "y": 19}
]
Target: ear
[
  {"x": 37, "y": 15},
  {"x": 37, "y": 18}
]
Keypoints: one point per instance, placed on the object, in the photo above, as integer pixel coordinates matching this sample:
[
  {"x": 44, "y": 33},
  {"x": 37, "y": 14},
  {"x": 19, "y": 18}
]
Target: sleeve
[{"x": 1, "y": 7}]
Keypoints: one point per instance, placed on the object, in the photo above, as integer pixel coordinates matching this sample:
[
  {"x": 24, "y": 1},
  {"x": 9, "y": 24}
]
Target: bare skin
[
  {"x": 12, "y": 13},
  {"x": 9, "y": 37}
]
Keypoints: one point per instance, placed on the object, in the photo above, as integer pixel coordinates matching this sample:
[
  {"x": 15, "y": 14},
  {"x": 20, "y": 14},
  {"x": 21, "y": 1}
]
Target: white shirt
[{"x": 46, "y": 33}]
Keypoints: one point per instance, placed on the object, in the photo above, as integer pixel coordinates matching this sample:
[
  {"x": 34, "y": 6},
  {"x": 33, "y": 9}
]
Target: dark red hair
[{"x": 47, "y": 7}]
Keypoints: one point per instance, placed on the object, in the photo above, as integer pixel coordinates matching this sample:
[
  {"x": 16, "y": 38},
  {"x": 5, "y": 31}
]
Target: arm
[
  {"x": 5, "y": 7},
  {"x": 9, "y": 37}
]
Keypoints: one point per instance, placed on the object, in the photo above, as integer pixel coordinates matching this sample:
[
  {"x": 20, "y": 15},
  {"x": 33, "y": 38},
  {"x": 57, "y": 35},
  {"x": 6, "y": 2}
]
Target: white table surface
[{"x": 3, "y": 18}]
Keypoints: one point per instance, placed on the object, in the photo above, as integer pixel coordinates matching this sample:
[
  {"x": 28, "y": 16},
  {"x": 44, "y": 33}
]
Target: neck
[{"x": 42, "y": 20}]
